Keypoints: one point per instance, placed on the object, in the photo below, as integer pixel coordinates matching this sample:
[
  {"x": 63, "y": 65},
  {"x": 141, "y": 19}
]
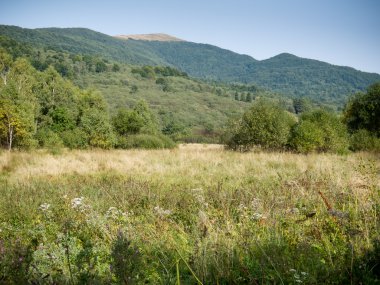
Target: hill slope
[
  {"x": 285, "y": 73},
  {"x": 84, "y": 41}
]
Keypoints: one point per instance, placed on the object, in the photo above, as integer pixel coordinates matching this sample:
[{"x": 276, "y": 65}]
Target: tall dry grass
[{"x": 253, "y": 217}]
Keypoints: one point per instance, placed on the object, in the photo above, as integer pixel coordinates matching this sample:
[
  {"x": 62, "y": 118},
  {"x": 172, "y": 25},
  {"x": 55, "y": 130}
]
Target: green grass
[{"x": 192, "y": 213}]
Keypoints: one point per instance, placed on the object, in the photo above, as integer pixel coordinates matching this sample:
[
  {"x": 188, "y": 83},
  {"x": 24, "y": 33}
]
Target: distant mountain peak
[{"x": 150, "y": 37}]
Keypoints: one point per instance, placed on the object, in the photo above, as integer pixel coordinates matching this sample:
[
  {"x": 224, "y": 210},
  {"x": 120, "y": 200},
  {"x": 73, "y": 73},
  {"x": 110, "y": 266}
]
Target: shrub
[
  {"x": 75, "y": 139},
  {"x": 320, "y": 131},
  {"x": 265, "y": 125},
  {"x": 363, "y": 140},
  {"x": 306, "y": 137},
  {"x": 127, "y": 122},
  {"x": 48, "y": 139}
]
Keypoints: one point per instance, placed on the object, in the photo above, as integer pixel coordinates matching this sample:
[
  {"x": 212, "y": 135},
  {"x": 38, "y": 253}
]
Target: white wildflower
[
  {"x": 242, "y": 207},
  {"x": 78, "y": 204},
  {"x": 257, "y": 216},
  {"x": 162, "y": 212},
  {"x": 44, "y": 207},
  {"x": 115, "y": 213}
]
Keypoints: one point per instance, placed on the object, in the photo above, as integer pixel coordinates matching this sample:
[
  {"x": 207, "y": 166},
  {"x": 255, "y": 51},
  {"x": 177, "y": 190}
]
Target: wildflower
[
  {"x": 257, "y": 216},
  {"x": 44, "y": 207},
  {"x": 115, "y": 213},
  {"x": 256, "y": 203},
  {"x": 242, "y": 207},
  {"x": 77, "y": 202},
  {"x": 161, "y": 212},
  {"x": 79, "y": 205}
]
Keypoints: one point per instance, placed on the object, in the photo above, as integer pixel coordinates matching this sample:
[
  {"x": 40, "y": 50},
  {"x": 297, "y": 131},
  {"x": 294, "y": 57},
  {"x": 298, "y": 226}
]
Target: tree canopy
[
  {"x": 264, "y": 125},
  {"x": 363, "y": 111}
]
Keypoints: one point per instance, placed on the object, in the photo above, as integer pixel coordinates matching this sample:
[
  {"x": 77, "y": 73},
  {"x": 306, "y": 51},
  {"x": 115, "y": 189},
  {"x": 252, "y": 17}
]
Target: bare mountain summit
[{"x": 151, "y": 37}]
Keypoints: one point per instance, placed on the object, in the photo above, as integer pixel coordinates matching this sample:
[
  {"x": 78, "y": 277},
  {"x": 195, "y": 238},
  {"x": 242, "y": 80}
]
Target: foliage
[
  {"x": 50, "y": 109},
  {"x": 363, "y": 140},
  {"x": 301, "y": 105},
  {"x": 307, "y": 136},
  {"x": 145, "y": 72},
  {"x": 17, "y": 108},
  {"x": 127, "y": 122},
  {"x": 363, "y": 111},
  {"x": 151, "y": 72},
  {"x": 138, "y": 128},
  {"x": 264, "y": 125},
  {"x": 320, "y": 131}
]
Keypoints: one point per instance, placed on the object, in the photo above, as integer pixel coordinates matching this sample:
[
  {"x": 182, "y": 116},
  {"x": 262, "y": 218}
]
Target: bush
[
  {"x": 48, "y": 139},
  {"x": 127, "y": 122},
  {"x": 363, "y": 140},
  {"x": 306, "y": 137},
  {"x": 75, "y": 139},
  {"x": 324, "y": 132},
  {"x": 265, "y": 125}
]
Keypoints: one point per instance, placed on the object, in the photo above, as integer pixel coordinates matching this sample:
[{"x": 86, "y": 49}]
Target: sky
[{"x": 341, "y": 32}]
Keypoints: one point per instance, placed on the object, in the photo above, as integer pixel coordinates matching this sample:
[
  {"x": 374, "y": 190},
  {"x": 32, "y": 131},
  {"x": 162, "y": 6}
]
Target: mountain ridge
[
  {"x": 150, "y": 37},
  {"x": 284, "y": 73}
]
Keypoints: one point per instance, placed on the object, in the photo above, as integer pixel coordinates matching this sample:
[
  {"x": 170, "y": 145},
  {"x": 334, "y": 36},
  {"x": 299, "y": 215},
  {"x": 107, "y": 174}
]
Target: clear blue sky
[{"x": 343, "y": 32}]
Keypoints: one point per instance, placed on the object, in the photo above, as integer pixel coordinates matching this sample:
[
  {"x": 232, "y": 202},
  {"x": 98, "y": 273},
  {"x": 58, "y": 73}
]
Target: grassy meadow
[{"x": 196, "y": 214}]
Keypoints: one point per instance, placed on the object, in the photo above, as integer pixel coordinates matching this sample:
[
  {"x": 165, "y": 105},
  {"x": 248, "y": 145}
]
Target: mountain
[
  {"x": 150, "y": 37},
  {"x": 84, "y": 41},
  {"x": 284, "y": 73}
]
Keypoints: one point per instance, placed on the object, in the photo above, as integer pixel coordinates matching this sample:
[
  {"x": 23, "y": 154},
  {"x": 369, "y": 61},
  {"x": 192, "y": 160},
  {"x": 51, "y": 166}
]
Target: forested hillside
[
  {"x": 82, "y": 41},
  {"x": 285, "y": 73},
  {"x": 46, "y": 108}
]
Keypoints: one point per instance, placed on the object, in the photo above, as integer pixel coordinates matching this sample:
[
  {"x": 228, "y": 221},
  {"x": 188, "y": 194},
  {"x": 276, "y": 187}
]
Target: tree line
[
  {"x": 266, "y": 125},
  {"x": 43, "y": 109}
]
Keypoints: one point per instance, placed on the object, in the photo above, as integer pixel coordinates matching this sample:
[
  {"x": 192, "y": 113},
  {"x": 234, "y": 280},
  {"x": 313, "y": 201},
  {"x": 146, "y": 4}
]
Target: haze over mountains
[{"x": 283, "y": 73}]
